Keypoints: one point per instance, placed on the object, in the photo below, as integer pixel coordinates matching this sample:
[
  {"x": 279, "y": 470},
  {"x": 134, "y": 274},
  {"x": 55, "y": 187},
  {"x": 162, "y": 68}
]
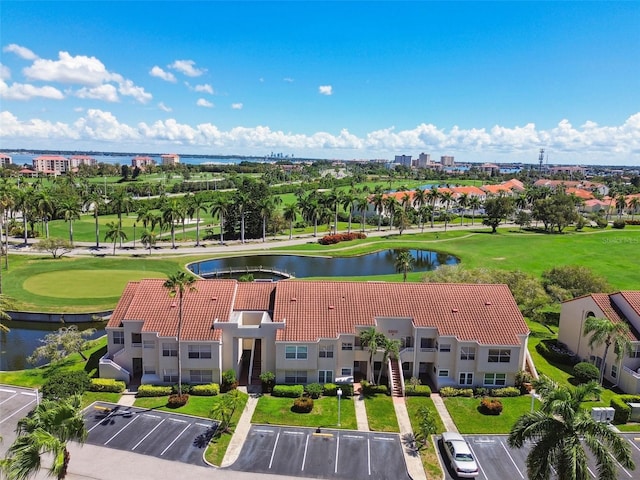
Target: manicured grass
[
  {"x": 380, "y": 413},
  {"x": 89, "y": 397},
  {"x": 629, "y": 427},
  {"x": 35, "y": 377},
  {"x": 218, "y": 446},
  {"x": 196, "y": 406},
  {"x": 428, "y": 454},
  {"x": 275, "y": 410},
  {"x": 468, "y": 419}
]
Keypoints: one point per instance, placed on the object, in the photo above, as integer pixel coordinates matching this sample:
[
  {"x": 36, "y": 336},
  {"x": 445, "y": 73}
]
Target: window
[
  {"x": 467, "y": 353},
  {"x": 326, "y": 351},
  {"x": 443, "y": 373},
  {"x": 406, "y": 342},
  {"x": 136, "y": 338},
  {"x": 201, "y": 376},
  {"x": 170, "y": 376},
  {"x": 149, "y": 370},
  {"x": 347, "y": 346},
  {"x": 295, "y": 376},
  {"x": 614, "y": 371},
  {"x": 495, "y": 378},
  {"x": 295, "y": 352},
  {"x": 635, "y": 351},
  {"x": 466, "y": 378},
  {"x": 426, "y": 343},
  {"x": 199, "y": 351},
  {"x": 169, "y": 349},
  {"x": 148, "y": 344},
  {"x": 499, "y": 355},
  {"x": 325, "y": 376},
  {"x": 118, "y": 338},
  {"x": 346, "y": 372},
  {"x": 444, "y": 347}
]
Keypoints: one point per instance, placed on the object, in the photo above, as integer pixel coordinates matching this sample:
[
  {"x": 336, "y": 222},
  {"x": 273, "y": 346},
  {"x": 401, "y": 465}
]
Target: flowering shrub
[
  {"x": 341, "y": 237},
  {"x": 491, "y": 406}
]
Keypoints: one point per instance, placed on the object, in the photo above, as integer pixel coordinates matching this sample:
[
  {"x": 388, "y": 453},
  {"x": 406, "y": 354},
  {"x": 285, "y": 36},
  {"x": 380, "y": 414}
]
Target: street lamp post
[
  {"x": 134, "y": 235},
  {"x": 339, "y": 393}
]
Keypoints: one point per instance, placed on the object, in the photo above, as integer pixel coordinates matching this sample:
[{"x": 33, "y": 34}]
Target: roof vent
[
  {"x": 294, "y": 299},
  {"x": 488, "y": 302},
  {"x": 454, "y": 310},
  {"x": 213, "y": 299},
  {"x": 174, "y": 304},
  {"x": 331, "y": 307}
]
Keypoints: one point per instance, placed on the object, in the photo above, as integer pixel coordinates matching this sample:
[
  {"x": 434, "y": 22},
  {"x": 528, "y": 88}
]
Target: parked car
[{"x": 460, "y": 455}]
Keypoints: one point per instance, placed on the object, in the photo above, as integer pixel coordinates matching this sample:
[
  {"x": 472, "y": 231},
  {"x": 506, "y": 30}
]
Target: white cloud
[
  {"x": 288, "y": 79},
  {"x": 25, "y": 91},
  {"x": 103, "y": 126},
  {"x": 127, "y": 88},
  {"x": 204, "y": 103},
  {"x": 236, "y": 106},
  {"x": 34, "y": 129},
  {"x": 106, "y": 92},
  {"x": 187, "y": 67},
  {"x": 160, "y": 73},
  {"x": 22, "y": 52},
  {"x": 80, "y": 69},
  {"x": 5, "y": 72},
  {"x": 163, "y": 107},
  {"x": 206, "y": 88},
  {"x": 325, "y": 90}
]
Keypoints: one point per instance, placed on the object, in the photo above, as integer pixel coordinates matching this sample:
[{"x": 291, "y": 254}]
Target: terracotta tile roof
[
  {"x": 580, "y": 193},
  {"x": 471, "y": 191},
  {"x": 495, "y": 188},
  {"x": 255, "y": 296},
  {"x": 514, "y": 184},
  {"x": 612, "y": 312},
  {"x": 632, "y": 298},
  {"x": 123, "y": 304},
  {"x": 484, "y": 313}
]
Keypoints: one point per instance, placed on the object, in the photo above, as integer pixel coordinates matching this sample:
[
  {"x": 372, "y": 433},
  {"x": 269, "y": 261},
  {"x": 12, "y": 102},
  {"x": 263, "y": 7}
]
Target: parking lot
[
  {"x": 149, "y": 432},
  {"x": 15, "y": 403},
  {"x": 496, "y": 460},
  {"x": 322, "y": 454}
]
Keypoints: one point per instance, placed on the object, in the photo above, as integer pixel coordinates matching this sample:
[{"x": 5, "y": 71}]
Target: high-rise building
[{"x": 447, "y": 161}]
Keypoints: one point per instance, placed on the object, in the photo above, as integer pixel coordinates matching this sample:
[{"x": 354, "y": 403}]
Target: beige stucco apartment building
[
  {"x": 618, "y": 307},
  {"x": 309, "y": 331}
]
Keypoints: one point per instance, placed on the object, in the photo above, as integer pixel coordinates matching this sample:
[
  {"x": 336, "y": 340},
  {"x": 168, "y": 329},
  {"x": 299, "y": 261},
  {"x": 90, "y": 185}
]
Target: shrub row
[
  {"x": 619, "y": 224},
  {"x": 479, "y": 392},
  {"x": 632, "y": 222},
  {"x": 370, "y": 389},
  {"x": 418, "y": 391},
  {"x": 545, "y": 349},
  {"x": 456, "y": 392},
  {"x": 331, "y": 389},
  {"x": 153, "y": 391},
  {"x": 341, "y": 237},
  {"x": 107, "y": 385},
  {"x": 208, "y": 390},
  {"x": 289, "y": 391},
  {"x": 313, "y": 390},
  {"x": 622, "y": 410}
]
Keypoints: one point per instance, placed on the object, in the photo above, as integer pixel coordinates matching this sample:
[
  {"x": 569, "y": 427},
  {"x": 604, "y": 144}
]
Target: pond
[
  {"x": 378, "y": 263},
  {"x": 24, "y": 338}
]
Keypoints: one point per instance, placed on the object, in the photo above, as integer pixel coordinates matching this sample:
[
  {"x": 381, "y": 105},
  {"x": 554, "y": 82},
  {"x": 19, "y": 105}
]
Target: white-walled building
[{"x": 309, "y": 331}]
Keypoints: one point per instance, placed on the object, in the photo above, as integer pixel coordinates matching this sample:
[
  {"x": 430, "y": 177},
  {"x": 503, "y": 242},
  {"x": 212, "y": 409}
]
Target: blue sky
[{"x": 482, "y": 81}]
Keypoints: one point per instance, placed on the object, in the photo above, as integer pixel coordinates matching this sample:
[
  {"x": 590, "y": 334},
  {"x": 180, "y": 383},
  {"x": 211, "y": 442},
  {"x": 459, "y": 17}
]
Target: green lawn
[
  {"x": 89, "y": 397},
  {"x": 464, "y": 412},
  {"x": 275, "y": 410},
  {"x": 380, "y": 413},
  {"x": 428, "y": 454},
  {"x": 196, "y": 406}
]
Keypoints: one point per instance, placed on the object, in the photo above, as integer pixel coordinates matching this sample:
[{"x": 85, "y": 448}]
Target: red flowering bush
[{"x": 341, "y": 237}]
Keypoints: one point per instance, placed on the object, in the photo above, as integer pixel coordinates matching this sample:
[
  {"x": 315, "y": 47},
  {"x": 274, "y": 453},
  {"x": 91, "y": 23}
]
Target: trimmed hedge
[
  {"x": 314, "y": 390},
  {"x": 208, "y": 390},
  {"x": 331, "y": 389},
  {"x": 288, "y": 391},
  {"x": 506, "y": 392},
  {"x": 456, "y": 392},
  {"x": 622, "y": 410},
  {"x": 545, "y": 348},
  {"x": 586, "y": 372},
  {"x": 418, "y": 391},
  {"x": 107, "y": 385},
  {"x": 153, "y": 391},
  {"x": 370, "y": 389}
]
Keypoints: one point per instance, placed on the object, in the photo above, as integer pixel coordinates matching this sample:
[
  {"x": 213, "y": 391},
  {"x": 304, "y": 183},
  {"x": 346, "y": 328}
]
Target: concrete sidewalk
[
  {"x": 411, "y": 454},
  {"x": 449, "y": 425},
  {"x": 241, "y": 431}
]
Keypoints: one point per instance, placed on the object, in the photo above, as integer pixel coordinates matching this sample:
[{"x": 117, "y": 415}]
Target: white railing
[
  {"x": 401, "y": 377},
  {"x": 427, "y": 349},
  {"x": 105, "y": 360},
  {"x": 634, "y": 374}
]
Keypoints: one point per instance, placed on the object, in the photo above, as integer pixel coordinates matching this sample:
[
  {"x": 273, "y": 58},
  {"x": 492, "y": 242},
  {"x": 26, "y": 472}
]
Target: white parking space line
[
  {"x": 7, "y": 390},
  {"x": 352, "y": 436},
  {"x": 621, "y": 467},
  {"x": 12, "y": 396},
  {"x": 511, "y": 458},
  {"x": 304, "y": 457},
  {"x": 179, "y": 420},
  {"x": 145, "y": 437},
  {"x": 633, "y": 444},
  {"x": 151, "y": 416},
  {"x": 202, "y": 425},
  {"x": 337, "y": 451},
  {"x": 16, "y": 412},
  {"x": 386, "y": 439},
  {"x": 175, "y": 439},
  {"x": 261, "y": 430},
  {"x": 273, "y": 452},
  {"x": 28, "y": 394},
  {"x": 369, "y": 455},
  {"x": 119, "y": 431},
  {"x": 478, "y": 463},
  {"x": 293, "y": 433}
]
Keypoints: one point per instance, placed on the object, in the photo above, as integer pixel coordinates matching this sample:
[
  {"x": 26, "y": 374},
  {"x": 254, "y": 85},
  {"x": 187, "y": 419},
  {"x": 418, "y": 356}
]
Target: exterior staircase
[
  {"x": 257, "y": 362},
  {"x": 396, "y": 378}
]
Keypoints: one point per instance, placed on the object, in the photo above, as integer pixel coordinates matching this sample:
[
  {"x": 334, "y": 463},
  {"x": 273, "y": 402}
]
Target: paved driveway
[
  {"x": 326, "y": 454},
  {"x": 149, "y": 432},
  {"x": 15, "y": 403},
  {"x": 497, "y": 461}
]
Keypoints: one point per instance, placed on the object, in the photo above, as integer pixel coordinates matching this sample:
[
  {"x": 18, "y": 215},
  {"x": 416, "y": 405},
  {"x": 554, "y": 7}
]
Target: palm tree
[
  {"x": 5, "y": 304},
  {"x": 391, "y": 205},
  {"x": 47, "y": 430},
  {"x": 447, "y": 198},
  {"x": 391, "y": 348},
  {"x": 621, "y": 204},
  {"x": 474, "y": 203},
  {"x": 433, "y": 196},
  {"x": 45, "y": 206},
  {"x": 371, "y": 339},
  {"x": 561, "y": 429},
  {"x": 290, "y": 213},
  {"x": 148, "y": 239},
  {"x": 173, "y": 212},
  {"x": 267, "y": 207},
  {"x": 242, "y": 202},
  {"x": 463, "y": 203},
  {"x": 634, "y": 205},
  {"x": 220, "y": 207},
  {"x": 178, "y": 284},
  {"x": 419, "y": 201},
  {"x": 195, "y": 205},
  {"x": 605, "y": 332},
  {"x": 69, "y": 208},
  {"x": 96, "y": 201},
  {"x": 361, "y": 206},
  {"x": 378, "y": 204},
  {"x": 404, "y": 263},
  {"x": 120, "y": 202},
  {"x": 348, "y": 201},
  {"x": 115, "y": 233}
]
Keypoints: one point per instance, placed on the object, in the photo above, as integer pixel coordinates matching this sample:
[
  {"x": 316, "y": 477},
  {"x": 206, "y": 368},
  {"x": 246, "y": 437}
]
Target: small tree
[
  {"x": 55, "y": 246},
  {"x": 224, "y": 409},
  {"x": 61, "y": 343},
  {"x": 426, "y": 426},
  {"x": 497, "y": 209}
]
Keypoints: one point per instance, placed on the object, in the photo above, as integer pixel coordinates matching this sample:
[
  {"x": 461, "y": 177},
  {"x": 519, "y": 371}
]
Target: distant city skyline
[{"x": 480, "y": 81}]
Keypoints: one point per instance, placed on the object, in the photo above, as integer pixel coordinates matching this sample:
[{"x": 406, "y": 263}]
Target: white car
[{"x": 460, "y": 456}]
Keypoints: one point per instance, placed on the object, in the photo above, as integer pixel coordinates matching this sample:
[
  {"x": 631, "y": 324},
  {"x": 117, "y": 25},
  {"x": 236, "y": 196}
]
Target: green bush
[
  {"x": 619, "y": 224},
  {"x": 331, "y": 389},
  {"x": 302, "y": 405},
  {"x": 314, "y": 390},
  {"x": 229, "y": 380},
  {"x": 549, "y": 349},
  {"x": 186, "y": 388},
  {"x": 288, "y": 391},
  {"x": 371, "y": 389},
  {"x": 208, "y": 390},
  {"x": 268, "y": 380},
  {"x": 506, "y": 392},
  {"x": 153, "y": 391},
  {"x": 107, "y": 385},
  {"x": 490, "y": 406},
  {"x": 177, "y": 401},
  {"x": 456, "y": 392},
  {"x": 585, "y": 372},
  {"x": 61, "y": 385},
  {"x": 418, "y": 391},
  {"x": 622, "y": 410}
]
